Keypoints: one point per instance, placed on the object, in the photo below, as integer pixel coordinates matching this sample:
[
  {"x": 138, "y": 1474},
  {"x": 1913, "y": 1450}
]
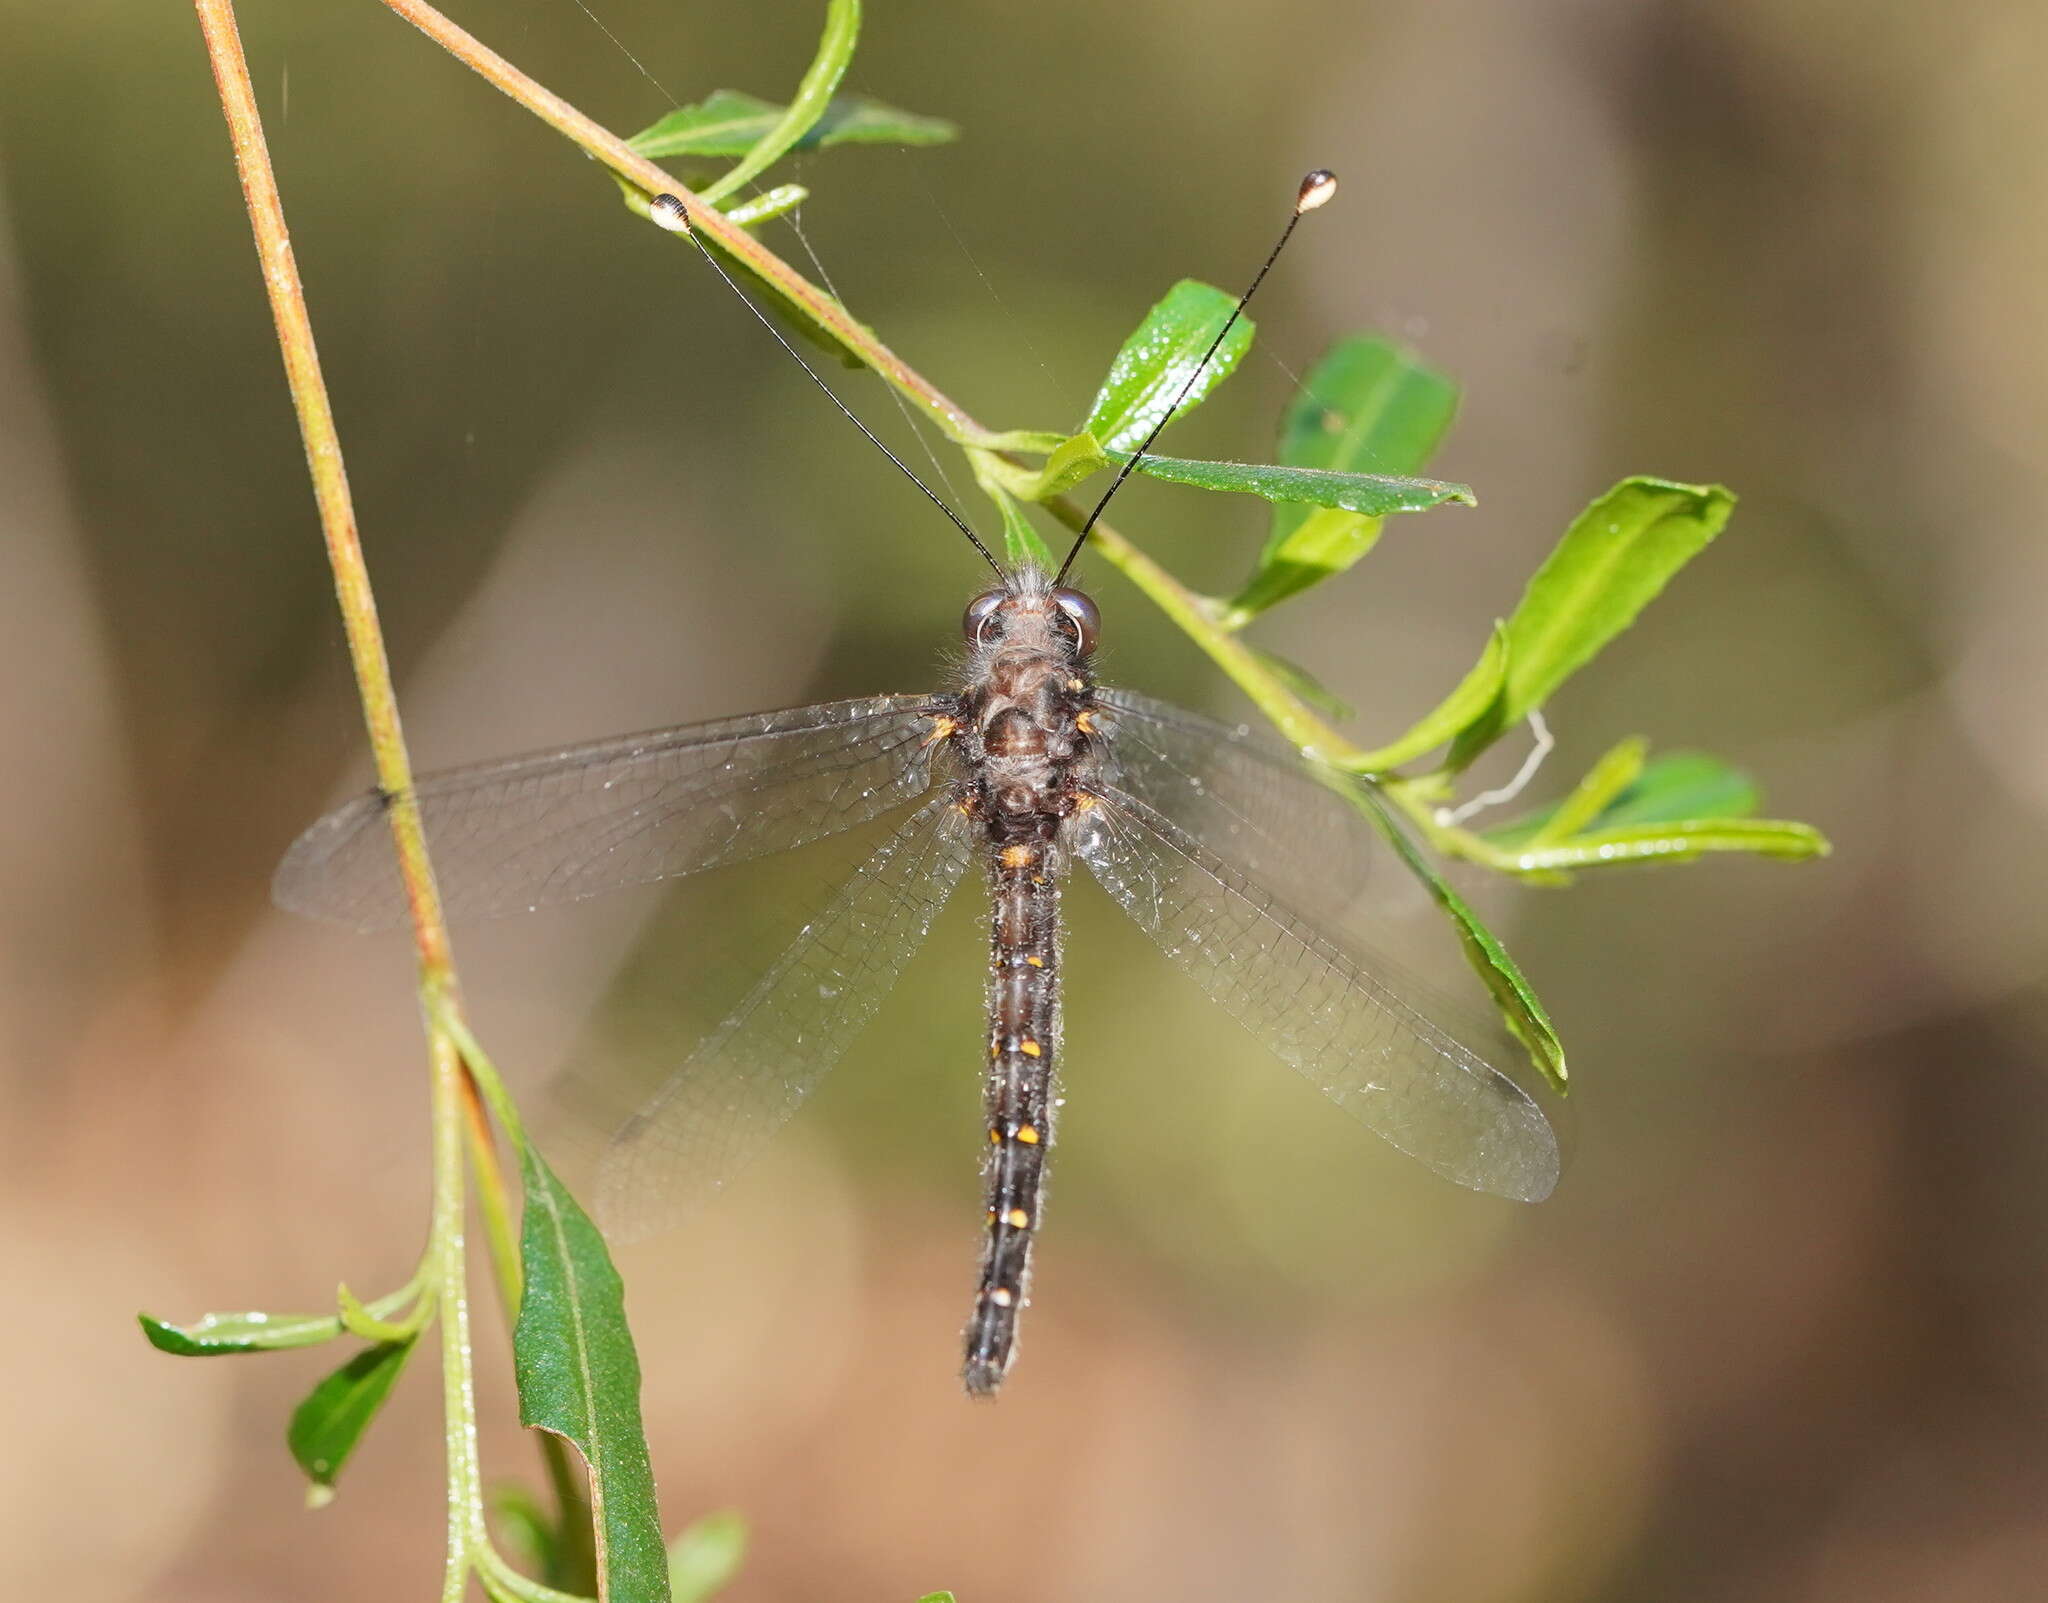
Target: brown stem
[
  {"x": 629, "y": 164},
  {"x": 455, "y": 1094},
  {"x": 330, "y": 477}
]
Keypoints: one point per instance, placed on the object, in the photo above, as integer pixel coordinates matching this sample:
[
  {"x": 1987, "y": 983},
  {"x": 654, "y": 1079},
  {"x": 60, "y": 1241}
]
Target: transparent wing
[
  {"x": 1370, "y": 1039},
  {"x": 743, "y": 1083},
  {"x": 1252, "y": 801},
  {"x": 561, "y": 825}
]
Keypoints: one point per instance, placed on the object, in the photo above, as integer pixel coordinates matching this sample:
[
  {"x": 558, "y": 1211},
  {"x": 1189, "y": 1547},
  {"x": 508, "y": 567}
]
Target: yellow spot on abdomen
[
  {"x": 1028, "y": 1134},
  {"x": 1019, "y": 856},
  {"x": 1029, "y": 1047},
  {"x": 1017, "y": 1218}
]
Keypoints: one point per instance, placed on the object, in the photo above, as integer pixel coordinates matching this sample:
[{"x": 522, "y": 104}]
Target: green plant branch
[
  {"x": 457, "y": 1114},
  {"x": 575, "y": 1536},
  {"x": 806, "y": 106},
  {"x": 1590, "y": 588},
  {"x": 607, "y": 147},
  {"x": 465, "y": 1487},
  {"x": 1195, "y": 614}
]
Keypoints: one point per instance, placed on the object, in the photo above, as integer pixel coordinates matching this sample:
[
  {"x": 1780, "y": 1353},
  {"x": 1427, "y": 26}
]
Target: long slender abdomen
[{"x": 1024, "y": 1002}]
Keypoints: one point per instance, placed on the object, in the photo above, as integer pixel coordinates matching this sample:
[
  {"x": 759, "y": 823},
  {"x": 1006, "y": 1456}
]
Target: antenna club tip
[
  {"x": 1316, "y": 190},
  {"x": 666, "y": 211}
]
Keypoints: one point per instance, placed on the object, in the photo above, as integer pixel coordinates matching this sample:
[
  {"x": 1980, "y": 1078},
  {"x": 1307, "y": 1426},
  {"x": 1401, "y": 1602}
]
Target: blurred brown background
[{"x": 1783, "y": 1332}]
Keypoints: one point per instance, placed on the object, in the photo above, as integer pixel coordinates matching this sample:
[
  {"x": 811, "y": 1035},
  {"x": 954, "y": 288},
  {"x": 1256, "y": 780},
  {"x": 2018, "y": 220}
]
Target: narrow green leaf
[
  {"x": 1683, "y": 784},
  {"x": 813, "y": 95},
  {"x": 768, "y": 205},
  {"x": 1475, "y": 694},
  {"x": 1160, "y": 357},
  {"x": 1326, "y": 542},
  {"x": 578, "y": 1377},
  {"x": 1613, "y": 560},
  {"x": 936, "y": 1597},
  {"x": 360, "y": 1320},
  {"x": 705, "y": 1557},
  {"x": 1673, "y": 788},
  {"x": 1075, "y": 458},
  {"x": 211, "y": 1335},
  {"x": 857, "y": 120},
  {"x": 729, "y": 122},
  {"x": 1616, "y": 770},
  {"x": 1676, "y": 842},
  {"x": 1372, "y": 493},
  {"x": 1021, "y": 542},
  {"x": 1519, "y": 1006},
  {"x": 725, "y": 123},
  {"x": 1368, "y": 406},
  {"x": 327, "y": 1425}
]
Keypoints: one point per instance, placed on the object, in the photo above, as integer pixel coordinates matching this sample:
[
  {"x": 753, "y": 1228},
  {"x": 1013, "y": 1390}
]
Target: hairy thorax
[{"x": 1027, "y": 726}]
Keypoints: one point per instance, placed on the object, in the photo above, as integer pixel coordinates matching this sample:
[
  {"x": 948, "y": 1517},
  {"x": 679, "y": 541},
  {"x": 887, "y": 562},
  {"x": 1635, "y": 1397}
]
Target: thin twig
[
  {"x": 629, "y": 164},
  {"x": 330, "y": 478},
  {"x": 454, "y": 1096}
]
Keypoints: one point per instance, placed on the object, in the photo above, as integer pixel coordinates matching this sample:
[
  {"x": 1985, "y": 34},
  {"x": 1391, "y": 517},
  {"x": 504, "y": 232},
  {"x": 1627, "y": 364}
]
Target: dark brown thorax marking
[{"x": 1028, "y": 751}]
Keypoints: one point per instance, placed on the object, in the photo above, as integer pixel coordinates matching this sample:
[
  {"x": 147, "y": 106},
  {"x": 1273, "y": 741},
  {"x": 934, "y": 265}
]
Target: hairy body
[{"x": 1023, "y": 731}]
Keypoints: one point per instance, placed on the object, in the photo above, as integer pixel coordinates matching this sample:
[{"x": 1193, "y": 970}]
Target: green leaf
[
  {"x": 1475, "y": 694},
  {"x": 1519, "y": 1006},
  {"x": 1021, "y": 542},
  {"x": 768, "y": 205},
  {"x": 729, "y": 122},
  {"x": 214, "y": 1334},
  {"x": 327, "y": 1425},
  {"x": 1159, "y": 359},
  {"x": 1683, "y": 784},
  {"x": 1617, "y": 769},
  {"x": 936, "y": 1597},
  {"x": 813, "y": 95},
  {"x": 1678, "y": 841},
  {"x": 706, "y": 1556},
  {"x": 1374, "y": 494},
  {"x": 358, "y": 1319},
  {"x": 1613, "y": 560},
  {"x": 1367, "y": 407},
  {"x": 1324, "y": 543},
  {"x": 1075, "y": 458},
  {"x": 807, "y": 107},
  {"x": 1622, "y": 790},
  {"x": 578, "y": 1377}
]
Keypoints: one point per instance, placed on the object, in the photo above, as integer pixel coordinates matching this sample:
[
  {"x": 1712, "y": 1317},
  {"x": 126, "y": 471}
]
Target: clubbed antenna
[
  {"x": 668, "y": 211},
  {"x": 1316, "y": 190}
]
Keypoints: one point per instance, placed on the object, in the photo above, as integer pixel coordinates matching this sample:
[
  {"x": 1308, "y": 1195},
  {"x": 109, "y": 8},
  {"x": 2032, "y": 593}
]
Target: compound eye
[
  {"x": 979, "y": 611},
  {"x": 1080, "y": 612}
]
